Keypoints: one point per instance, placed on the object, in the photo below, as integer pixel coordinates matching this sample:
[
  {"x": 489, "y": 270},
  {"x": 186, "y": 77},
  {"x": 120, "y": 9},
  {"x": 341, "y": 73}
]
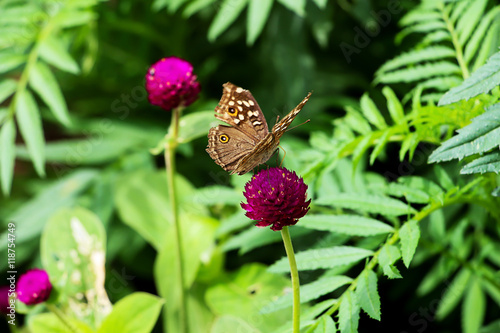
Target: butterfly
[{"x": 247, "y": 142}]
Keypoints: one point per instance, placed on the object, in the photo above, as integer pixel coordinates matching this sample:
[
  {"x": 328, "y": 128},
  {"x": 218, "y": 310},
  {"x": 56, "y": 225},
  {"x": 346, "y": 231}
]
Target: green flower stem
[
  {"x": 170, "y": 168},
  {"x": 295, "y": 278},
  {"x": 62, "y": 317}
]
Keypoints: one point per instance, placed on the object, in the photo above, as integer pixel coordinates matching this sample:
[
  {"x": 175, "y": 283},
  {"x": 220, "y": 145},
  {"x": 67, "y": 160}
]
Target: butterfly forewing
[
  {"x": 238, "y": 108},
  {"x": 247, "y": 142}
]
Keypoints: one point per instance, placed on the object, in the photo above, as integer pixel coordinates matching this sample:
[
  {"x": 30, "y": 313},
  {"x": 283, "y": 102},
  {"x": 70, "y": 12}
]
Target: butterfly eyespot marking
[
  {"x": 232, "y": 111},
  {"x": 224, "y": 138}
]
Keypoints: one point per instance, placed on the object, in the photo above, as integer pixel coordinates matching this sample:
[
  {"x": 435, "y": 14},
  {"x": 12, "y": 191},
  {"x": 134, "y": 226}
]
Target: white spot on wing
[
  {"x": 241, "y": 117},
  {"x": 246, "y": 104},
  {"x": 236, "y": 121},
  {"x": 251, "y": 102},
  {"x": 231, "y": 103},
  {"x": 239, "y": 89},
  {"x": 256, "y": 113},
  {"x": 240, "y": 108},
  {"x": 240, "y": 102},
  {"x": 249, "y": 113}
]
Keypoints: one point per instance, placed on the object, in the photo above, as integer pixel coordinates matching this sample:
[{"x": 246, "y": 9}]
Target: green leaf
[
  {"x": 74, "y": 18},
  {"x": 322, "y": 258},
  {"x": 409, "y": 235},
  {"x": 415, "y": 56},
  {"x": 7, "y": 154},
  {"x": 369, "y": 203},
  {"x": 309, "y": 292},
  {"x": 423, "y": 185},
  {"x": 30, "y": 125},
  {"x": 218, "y": 195},
  {"x": 50, "y": 323},
  {"x": 479, "y": 34},
  {"x": 353, "y": 225},
  {"x": 44, "y": 83},
  {"x": 467, "y": 23},
  {"x": 382, "y": 141},
  {"x": 371, "y": 112},
  {"x": 419, "y": 72},
  {"x": 136, "y": 313},
  {"x": 481, "y": 81},
  {"x": 411, "y": 194},
  {"x": 488, "y": 163},
  {"x": 348, "y": 313},
  {"x": 325, "y": 325},
  {"x": 389, "y": 254},
  {"x": 32, "y": 216},
  {"x": 443, "y": 178},
  {"x": 296, "y": 6},
  {"x": 367, "y": 294},
  {"x": 251, "y": 287},
  {"x": 74, "y": 240},
  {"x": 258, "y": 13},
  {"x": 473, "y": 307},
  {"x": 10, "y": 61},
  {"x": 54, "y": 52},
  {"x": 228, "y": 13},
  {"x": 395, "y": 108},
  {"x": 478, "y": 137},
  {"x": 421, "y": 27},
  {"x": 7, "y": 88},
  {"x": 453, "y": 293},
  {"x": 142, "y": 202},
  {"x": 195, "y": 125}
]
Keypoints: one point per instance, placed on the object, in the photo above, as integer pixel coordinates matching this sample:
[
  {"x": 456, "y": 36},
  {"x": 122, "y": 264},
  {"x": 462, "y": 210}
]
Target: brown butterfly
[{"x": 247, "y": 142}]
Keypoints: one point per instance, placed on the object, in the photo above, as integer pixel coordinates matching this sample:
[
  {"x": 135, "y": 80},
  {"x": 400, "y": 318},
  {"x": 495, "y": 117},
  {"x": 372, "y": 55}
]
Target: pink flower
[
  {"x": 170, "y": 83},
  {"x": 276, "y": 197},
  {"x": 34, "y": 287}
]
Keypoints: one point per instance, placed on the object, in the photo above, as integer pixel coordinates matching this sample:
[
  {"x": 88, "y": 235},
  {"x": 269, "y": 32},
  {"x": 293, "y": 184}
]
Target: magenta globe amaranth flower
[
  {"x": 34, "y": 287},
  {"x": 170, "y": 83},
  {"x": 276, "y": 197}
]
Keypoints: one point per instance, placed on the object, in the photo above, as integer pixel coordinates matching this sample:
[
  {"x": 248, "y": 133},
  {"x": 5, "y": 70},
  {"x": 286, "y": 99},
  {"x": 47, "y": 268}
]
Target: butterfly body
[{"x": 247, "y": 142}]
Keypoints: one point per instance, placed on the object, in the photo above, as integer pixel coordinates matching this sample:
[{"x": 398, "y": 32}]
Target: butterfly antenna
[
  {"x": 284, "y": 151},
  {"x": 305, "y": 122}
]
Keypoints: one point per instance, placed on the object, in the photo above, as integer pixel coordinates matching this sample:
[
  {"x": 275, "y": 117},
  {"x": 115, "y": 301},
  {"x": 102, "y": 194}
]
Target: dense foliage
[{"x": 400, "y": 157}]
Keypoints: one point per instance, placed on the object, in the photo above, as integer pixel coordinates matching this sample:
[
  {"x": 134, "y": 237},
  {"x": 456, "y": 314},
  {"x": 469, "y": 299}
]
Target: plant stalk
[
  {"x": 170, "y": 168},
  {"x": 62, "y": 317},
  {"x": 285, "y": 234}
]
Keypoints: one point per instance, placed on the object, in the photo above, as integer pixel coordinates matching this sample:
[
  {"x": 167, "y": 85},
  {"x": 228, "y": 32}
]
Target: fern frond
[{"x": 448, "y": 51}]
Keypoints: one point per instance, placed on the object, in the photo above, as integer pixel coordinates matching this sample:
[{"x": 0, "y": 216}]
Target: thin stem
[
  {"x": 62, "y": 317},
  {"x": 295, "y": 278},
  {"x": 456, "y": 43},
  {"x": 170, "y": 168}
]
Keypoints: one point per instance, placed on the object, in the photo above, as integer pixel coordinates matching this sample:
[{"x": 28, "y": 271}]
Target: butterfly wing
[
  {"x": 238, "y": 108},
  {"x": 280, "y": 127}
]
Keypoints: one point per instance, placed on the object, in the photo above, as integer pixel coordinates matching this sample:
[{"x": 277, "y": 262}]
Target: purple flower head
[
  {"x": 276, "y": 197},
  {"x": 170, "y": 83},
  {"x": 4, "y": 299},
  {"x": 34, "y": 287}
]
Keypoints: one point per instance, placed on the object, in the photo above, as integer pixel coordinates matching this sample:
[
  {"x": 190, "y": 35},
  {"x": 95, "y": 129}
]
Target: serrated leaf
[
  {"x": 348, "y": 313},
  {"x": 7, "y": 88},
  {"x": 322, "y": 258},
  {"x": 353, "y": 225},
  {"x": 473, "y": 307},
  {"x": 421, "y": 27},
  {"x": 369, "y": 203},
  {"x": 453, "y": 293},
  {"x": 411, "y": 140},
  {"x": 360, "y": 149},
  {"x": 411, "y": 194},
  {"x": 7, "y": 154},
  {"x": 409, "y": 235},
  {"x": 388, "y": 255},
  {"x": 309, "y": 292},
  {"x": 30, "y": 125},
  {"x": 258, "y": 14},
  {"x": 417, "y": 56},
  {"x": 488, "y": 163},
  {"x": 481, "y": 81},
  {"x": 371, "y": 112},
  {"x": 45, "y": 85},
  {"x": 419, "y": 72},
  {"x": 367, "y": 294},
  {"x": 228, "y": 13},
  {"x": 480, "y": 136},
  {"x": 423, "y": 184},
  {"x": 53, "y": 52}
]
